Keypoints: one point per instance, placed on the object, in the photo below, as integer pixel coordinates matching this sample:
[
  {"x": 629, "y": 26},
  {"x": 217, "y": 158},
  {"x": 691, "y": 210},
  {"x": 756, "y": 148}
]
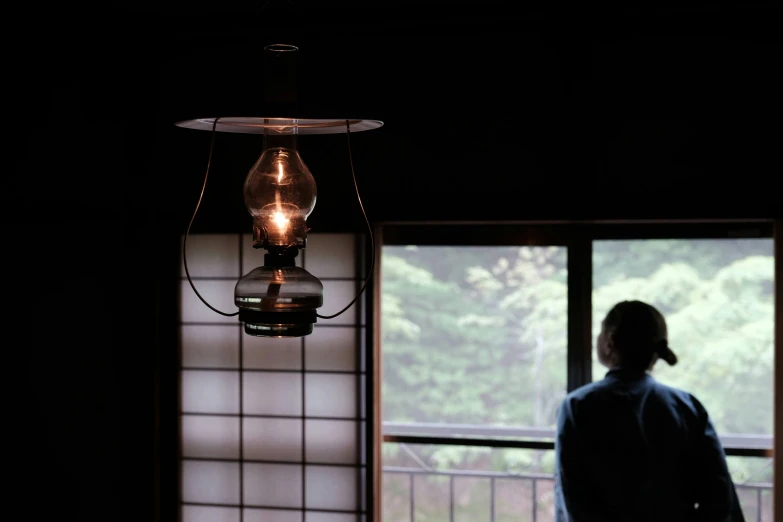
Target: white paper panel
[
  {"x": 337, "y": 294},
  {"x": 330, "y": 395},
  {"x": 254, "y": 257},
  {"x": 273, "y": 439},
  {"x": 331, "y": 348},
  {"x": 213, "y": 437},
  {"x": 219, "y": 294},
  {"x": 210, "y": 482},
  {"x": 316, "y": 516},
  {"x": 272, "y": 393},
  {"x": 212, "y": 255},
  {"x": 209, "y": 514},
  {"x": 272, "y": 354},
  {"x": 273, "y": 485},
  {"x": 272, "y": 515},
  {"x": 331, "y": 487},
  {"x": 210, "y": 346},
  {"x": 210, "y": 391},
  {"x": 330, "y": 441},
  {"x": 331, "y": 255}
]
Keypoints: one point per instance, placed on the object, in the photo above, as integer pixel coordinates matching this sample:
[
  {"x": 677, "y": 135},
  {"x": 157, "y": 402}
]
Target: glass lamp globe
[{"x": 280, "y": 191}]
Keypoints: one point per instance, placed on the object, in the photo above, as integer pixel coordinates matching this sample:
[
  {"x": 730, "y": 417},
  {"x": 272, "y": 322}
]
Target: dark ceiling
[{"x": 491, "y": 111}]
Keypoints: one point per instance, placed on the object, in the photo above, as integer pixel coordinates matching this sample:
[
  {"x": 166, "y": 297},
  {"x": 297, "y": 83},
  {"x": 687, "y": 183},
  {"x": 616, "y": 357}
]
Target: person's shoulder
[
  {"x": 584, "y": 393},
  {"x": 667, "y": 389},
  {"x": 596, "y": 392},
  {"x": 680, "y": 397},
  {"x": 586, "y": 390},
  {"x": 583, "y": 402}
]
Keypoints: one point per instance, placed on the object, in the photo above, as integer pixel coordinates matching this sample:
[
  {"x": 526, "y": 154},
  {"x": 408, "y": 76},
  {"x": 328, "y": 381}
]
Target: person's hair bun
[{"x": 666, "y": 353}]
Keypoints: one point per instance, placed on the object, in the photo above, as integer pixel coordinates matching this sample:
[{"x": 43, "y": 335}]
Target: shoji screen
[{"x": 273, "y": 430}]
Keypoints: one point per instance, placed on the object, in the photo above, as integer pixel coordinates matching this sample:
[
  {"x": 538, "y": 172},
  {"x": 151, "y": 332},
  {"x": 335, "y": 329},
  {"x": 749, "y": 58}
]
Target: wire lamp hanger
[{"x": 279, "y": 299}]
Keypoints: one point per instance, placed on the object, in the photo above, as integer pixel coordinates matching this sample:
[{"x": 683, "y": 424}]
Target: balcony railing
[
  {"x": 750, "y": 493},
  {"x": 753, "y": 495},
  {"x": 541, "y": 438}
]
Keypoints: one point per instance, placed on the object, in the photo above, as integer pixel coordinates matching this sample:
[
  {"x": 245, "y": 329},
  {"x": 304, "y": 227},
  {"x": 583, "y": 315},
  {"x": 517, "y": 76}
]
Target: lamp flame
[{"x": 280, "y": 220}]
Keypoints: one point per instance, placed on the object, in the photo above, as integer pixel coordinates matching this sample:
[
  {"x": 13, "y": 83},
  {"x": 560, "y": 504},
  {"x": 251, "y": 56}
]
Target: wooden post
[
  {"x": 777, "y": 497},
  {"x": 377, "y": 381}
]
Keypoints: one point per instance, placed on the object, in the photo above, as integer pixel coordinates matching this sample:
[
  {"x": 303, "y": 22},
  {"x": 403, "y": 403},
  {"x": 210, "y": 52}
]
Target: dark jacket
[{"x": 633, "y": 450}]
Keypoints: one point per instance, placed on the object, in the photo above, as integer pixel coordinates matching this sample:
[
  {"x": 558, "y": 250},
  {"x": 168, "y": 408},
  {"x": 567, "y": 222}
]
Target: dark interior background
[{"x": 492, "y": 111}]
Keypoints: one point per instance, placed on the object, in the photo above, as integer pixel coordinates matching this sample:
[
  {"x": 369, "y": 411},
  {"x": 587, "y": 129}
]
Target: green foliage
[{"x": 485, "y": 346}]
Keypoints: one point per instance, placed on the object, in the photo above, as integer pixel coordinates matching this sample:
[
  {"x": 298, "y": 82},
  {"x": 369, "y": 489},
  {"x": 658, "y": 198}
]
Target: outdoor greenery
[{"x": 477, "y": 335}]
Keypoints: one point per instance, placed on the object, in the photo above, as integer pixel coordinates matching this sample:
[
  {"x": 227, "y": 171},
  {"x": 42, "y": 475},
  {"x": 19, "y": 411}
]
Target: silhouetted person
[{"x": 630, "y": 449}]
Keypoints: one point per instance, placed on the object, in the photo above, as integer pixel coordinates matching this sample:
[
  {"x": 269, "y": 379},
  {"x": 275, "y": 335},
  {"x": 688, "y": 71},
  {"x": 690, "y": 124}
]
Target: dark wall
[
  {"x": 86, "y": 325},
  {"x": 489, "y": 114}
]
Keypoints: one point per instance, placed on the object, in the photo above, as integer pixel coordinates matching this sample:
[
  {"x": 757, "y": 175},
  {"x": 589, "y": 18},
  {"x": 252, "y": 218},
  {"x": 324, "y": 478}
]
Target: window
[
  {"x": 462, "y": 323},
  {"x": 474, "y": 346},
  {"x": 485, "y": 328},
  {"x": 273, "y": 429}
]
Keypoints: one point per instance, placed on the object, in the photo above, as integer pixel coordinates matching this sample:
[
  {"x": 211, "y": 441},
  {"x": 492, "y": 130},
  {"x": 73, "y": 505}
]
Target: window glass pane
[
  {"x": 753, "y": 478},
  {"x": 717, "y": 298},
  {"x": 473, "y": 335}
]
